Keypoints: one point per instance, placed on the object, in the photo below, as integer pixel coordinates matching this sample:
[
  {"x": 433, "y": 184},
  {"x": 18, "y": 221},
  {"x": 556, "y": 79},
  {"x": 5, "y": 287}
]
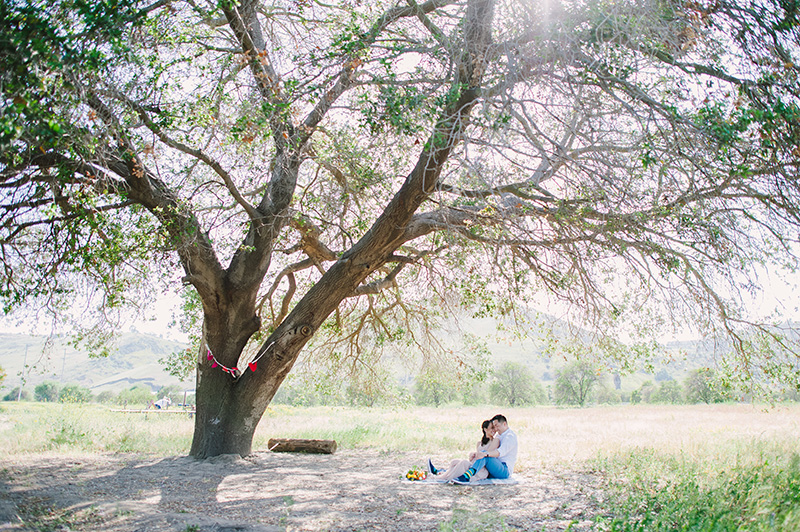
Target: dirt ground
[{"x": 349, "y": 490}]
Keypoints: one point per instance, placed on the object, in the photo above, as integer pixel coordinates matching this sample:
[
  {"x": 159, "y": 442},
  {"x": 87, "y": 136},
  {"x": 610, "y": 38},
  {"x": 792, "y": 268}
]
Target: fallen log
[{"x": 290, "y": 445}]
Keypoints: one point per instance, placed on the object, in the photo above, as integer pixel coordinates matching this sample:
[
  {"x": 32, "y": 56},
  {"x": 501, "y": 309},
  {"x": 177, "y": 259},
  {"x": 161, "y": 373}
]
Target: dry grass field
[
  {"x": 643, "y": 467},
  {"x": 547, "y": 435}
]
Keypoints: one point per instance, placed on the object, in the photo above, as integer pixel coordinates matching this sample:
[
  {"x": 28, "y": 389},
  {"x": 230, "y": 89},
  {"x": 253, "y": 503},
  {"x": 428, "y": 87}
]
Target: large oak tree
[{"x": 332, "y": 170}]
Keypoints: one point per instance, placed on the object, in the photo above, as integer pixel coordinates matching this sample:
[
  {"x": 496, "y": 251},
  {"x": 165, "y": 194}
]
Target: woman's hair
[{"x": 484, "y": 438}]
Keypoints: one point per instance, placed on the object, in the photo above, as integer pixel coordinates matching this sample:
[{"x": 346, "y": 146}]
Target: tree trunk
[
  {"x": 229, "y": 407},
  {"x": 221, "y": 425},
  {"x": 224, "y": 420},
  {"x": 230, "y": 404}
]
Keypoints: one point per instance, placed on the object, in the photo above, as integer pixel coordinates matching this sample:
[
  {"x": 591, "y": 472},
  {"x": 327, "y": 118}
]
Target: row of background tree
[
  {"x": 578, "y": 383},
  {"x": 512, "y": 383},
  {"x": 134, "y": 397}
]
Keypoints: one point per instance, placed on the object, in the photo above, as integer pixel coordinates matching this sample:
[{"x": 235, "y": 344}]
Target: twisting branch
[
  {"x": 198, "y": 154},
  {"x": 286, "y": 301},
  {"x": 347, "y": 76},
  {"x": 515, "y": 189},
  {"x": 437, "y": 33},
  {"x": 197, "y": 254},
  {"x": 309, "y": 240},
  {"x": 286, "y": 272},
  {"x": 379, "y": 285},
  {"x": 244, "y": 22}
]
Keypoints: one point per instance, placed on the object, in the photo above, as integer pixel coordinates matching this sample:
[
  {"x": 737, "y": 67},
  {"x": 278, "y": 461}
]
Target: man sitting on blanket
[{"x": 500, "y": 462}]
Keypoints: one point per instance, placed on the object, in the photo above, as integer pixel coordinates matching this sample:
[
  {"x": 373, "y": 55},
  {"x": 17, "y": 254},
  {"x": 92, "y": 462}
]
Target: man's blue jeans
[{"x": 494, "y": 466}]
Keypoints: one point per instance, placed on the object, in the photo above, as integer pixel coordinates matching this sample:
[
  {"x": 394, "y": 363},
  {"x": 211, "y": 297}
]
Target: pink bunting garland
[
  {"x": 235, "y": 373},
  {"x": 216, "y": 363}
]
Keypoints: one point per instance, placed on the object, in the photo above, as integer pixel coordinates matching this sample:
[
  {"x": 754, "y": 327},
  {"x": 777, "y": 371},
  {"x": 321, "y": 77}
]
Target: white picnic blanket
[
  {"x": 488, "y": 481},
  {"x": 483, "y": 482}
]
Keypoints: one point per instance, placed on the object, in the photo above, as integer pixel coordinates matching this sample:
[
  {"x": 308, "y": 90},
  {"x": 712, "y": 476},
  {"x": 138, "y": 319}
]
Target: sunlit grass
[
  {"x": 547, "y": 436},
  {"x": 56, "y": 427},
  {"x": 427, "y": 430}
]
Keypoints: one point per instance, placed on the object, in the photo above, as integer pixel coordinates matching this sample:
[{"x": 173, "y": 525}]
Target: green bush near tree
[
  {"x": 74, "y": 393},
  {"x": 515, "y": 385},
  {"x": 702, "y": 386},
  {"x": 46, "y": 392},
  {"x": 668, "y": 392},
  {"x": 575, "y": 383},
  {"x": 644, "y": 393},
  {"x": 432, "y": 389},
  {"x": 606, "y": 395},
  {"x": 106, "y": 397},
  {"x": 139, "y": 395},
  {"x": 16, "y": 395}
]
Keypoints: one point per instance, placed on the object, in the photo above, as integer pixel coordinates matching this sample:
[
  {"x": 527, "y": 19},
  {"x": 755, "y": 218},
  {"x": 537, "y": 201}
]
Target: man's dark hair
[{"x": 501, "y": 418}]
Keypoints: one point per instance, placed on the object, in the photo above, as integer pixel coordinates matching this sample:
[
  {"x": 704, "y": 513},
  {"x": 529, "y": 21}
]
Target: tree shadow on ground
[{"x": 269, "y": 491}]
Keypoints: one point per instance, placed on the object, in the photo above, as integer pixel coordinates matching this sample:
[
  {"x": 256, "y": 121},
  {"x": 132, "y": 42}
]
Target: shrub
[
  {"x": 651, "y": 492},
  {"x": 364, "y": 393},
  {"x": 606, "y": 395},
  {"x": 16, "y": 395},
  {"x": 74, "y": 393},
  {"x": 136, "y": 395},
  {"x": 474, "y": 393},
  {"x": 296, "y": 391},
  {"x": 702, "y": 386},
  {"x": 645, "y": 392},
  {"x": 432, "y": 389},
  {"x": 106, "y": 397},
  {"x": 636, "y": 397},
  {"x": 68, "y": 434},
  {"x": 670, "y": 392},
  {"x": 46, "y": 392}
]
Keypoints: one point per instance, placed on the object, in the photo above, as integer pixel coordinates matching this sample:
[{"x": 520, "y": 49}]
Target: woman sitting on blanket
[{"x": 457, "y": 468}]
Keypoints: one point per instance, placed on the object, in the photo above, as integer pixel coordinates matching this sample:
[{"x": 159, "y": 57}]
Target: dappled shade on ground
[{"x": 345, "y": 491}]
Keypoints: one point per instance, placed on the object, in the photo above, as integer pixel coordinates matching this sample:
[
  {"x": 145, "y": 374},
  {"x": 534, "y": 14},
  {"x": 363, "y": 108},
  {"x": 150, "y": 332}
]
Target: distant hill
[{"x": 134, "y": 361}]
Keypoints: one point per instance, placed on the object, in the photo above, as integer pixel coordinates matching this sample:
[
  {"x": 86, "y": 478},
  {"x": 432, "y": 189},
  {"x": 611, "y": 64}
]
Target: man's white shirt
[{"x": 508, "y": 449}]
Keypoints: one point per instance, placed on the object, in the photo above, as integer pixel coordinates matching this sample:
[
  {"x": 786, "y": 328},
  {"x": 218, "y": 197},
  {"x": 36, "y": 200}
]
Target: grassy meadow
[{"x": 688, "y": 467}]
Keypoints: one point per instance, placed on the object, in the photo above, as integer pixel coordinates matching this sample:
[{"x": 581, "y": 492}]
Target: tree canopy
[{"x": 345, "y": 172}]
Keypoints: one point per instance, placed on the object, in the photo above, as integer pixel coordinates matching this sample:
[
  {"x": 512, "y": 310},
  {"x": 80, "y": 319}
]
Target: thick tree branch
[{"x": 199, "y": 260}]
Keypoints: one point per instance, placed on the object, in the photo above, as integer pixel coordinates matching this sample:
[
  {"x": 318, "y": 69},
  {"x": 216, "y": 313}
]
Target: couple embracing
[{"x": 494, "y": 457}]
